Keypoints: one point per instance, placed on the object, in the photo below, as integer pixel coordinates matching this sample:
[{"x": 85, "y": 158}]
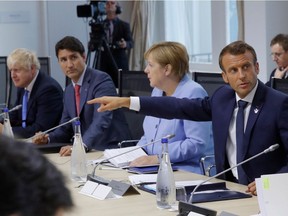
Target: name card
[{"x": 98, "y": 191}]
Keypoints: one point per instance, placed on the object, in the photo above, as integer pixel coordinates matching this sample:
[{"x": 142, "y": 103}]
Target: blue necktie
[
  {"x": 239, "y": 138},
  {"x": 24, "y": 108}
]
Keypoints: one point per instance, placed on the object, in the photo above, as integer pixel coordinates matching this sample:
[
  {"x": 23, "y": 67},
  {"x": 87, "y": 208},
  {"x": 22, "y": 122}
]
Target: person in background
[
  {"x": 264, "y": 122},
  {"x": 99, "y": 130},
  {"x": 167, "y": 68},
  {"x": 31, "y": 185},
  {"x": 118, "y": 34},
  {"x": 279, "y": 54},
  {"x": 119, "y": 41},
  {"x": 44, "y": 95}
]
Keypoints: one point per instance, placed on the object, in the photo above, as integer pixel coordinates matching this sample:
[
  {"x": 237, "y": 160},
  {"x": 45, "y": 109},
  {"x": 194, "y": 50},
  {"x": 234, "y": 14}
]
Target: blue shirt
[{"x": 192, "y": 139}]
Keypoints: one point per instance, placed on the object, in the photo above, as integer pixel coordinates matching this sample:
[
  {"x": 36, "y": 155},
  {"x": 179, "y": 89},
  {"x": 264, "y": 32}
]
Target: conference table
[{"x": 143, "y": 203}]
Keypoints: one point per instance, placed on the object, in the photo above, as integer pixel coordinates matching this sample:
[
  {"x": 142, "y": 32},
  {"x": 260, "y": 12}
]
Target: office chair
[
  {"x": 4, "y": 74},
  {"x": 209, "y": 81},
  {"x": 45, "y": 63},
  {"x": 207, "y": 164},
  {"x": 280, "y": 84},
  {"x": 133, "y": 83}
]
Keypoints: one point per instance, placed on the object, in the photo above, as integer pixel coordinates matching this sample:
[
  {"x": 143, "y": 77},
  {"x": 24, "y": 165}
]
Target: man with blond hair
[{"x": 39, "y": 94}]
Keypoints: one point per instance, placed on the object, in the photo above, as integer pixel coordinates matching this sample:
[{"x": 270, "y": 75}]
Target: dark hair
[
  {"x": 30, "y": 184},
  {"x": 70, "y": 43},
  {"x": 236, "y": 48},
  {"x": 282, "y": 40}
]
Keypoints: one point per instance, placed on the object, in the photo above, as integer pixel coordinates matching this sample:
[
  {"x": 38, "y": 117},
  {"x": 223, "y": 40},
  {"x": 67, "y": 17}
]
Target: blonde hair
[
  {"x": 23, "y": 58},
  {"x": 172, "y": 53}
]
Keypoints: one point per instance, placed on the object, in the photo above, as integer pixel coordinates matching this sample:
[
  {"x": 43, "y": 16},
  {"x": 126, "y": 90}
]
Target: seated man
[
  {"x": 43, "y": 95},
  {"x": 247, "y": 117},
  {"x": 31, "y": 185},
  {"x": 99, "y": 130}
]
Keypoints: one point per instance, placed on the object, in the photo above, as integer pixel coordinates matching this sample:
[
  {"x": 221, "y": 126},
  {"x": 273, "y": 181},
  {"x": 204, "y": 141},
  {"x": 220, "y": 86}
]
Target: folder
[
  {"x": 206, "y": 193},
  {"x": 146, "y": 169}
]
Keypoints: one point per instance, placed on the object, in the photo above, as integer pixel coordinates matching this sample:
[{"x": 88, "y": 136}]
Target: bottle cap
[
  {"x": 77, "y": 122},
  {"x": 5, "y": 109},
  {"x": 164, "y": 140}
]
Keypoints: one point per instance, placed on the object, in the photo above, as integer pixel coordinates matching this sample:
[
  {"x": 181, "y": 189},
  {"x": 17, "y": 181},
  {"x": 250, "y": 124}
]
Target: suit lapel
[
  {"x": 33, "y": 92},
  {"x": 255, "y": 110},
  {"x": 84, "y": 89},
  {"x": 70, "y": 103}
]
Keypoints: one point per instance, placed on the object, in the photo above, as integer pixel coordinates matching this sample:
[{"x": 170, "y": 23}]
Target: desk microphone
[
  {"x": 45, "y": 132},
  {"x": 13, "y": 109},
  {"x": 270, "y": 149},
  {"x": 93, "y": 177}
]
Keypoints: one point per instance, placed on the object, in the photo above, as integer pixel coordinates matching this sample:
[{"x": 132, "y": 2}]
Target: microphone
[
  {"x": 270, "y": 149},
  {"x": 93, "y": 177},
  {"x": 13, "y": 109},
  {"x": 47, "y": 131}
]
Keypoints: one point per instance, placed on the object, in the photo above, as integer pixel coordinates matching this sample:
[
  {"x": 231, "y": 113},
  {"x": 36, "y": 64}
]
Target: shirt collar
[
  {"x": 80, "y": 81},
  {"x": 250, "y": 96},
  {"x": 31, "y": 84}
]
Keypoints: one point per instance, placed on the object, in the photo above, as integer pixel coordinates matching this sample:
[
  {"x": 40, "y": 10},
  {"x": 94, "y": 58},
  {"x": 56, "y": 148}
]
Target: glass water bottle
[
  {"x": 7, "y": 129},
  {"x": 78, "y": 157},
  {"x": 165, "y": 185}
]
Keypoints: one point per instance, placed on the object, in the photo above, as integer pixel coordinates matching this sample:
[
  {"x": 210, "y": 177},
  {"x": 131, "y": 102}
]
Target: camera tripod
[{"x": 103, "y": 59}]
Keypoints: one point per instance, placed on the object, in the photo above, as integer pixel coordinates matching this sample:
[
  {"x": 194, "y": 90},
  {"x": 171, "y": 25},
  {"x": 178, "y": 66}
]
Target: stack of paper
[
  {"x": 272, "y": 194},
  {"x": 124, "y": 158}
]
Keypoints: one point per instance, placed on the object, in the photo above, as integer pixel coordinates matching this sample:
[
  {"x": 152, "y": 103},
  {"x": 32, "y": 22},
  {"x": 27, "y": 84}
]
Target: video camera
[{"x": 95, "y": 9}]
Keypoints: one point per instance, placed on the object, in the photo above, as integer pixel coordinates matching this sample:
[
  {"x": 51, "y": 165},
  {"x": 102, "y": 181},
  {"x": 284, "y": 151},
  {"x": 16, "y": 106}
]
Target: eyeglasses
[{"x": 277, "y": 55}]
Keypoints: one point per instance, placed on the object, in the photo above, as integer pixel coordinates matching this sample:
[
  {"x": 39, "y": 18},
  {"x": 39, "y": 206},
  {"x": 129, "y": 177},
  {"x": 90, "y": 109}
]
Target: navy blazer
[
  {"x": 121, "y": 30},
  {"x": 44, "y": 107},
  {"x": 267, "y": 124},
  {"x": 99, "y": 130}
]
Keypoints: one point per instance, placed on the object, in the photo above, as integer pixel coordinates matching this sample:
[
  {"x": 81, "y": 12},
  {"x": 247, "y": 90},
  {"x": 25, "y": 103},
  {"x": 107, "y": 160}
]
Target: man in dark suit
[
  {"x": 279, "y": 54},
  {"x": 99, "y": 130},
  {"x": 119, "y": 42},
  {"x": 265, "y": 116},
  {"x": 44, "y": 95},
  {"x": 118, "y": 35}
]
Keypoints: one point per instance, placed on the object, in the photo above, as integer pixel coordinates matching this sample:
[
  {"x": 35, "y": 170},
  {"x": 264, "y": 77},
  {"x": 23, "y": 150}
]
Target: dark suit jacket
[
  {"x": 271, "y": 75},
  {"x": 117, "y": 58},
  {"x": 269, "y": 83},
  {"x": 99, "y": 130},
  {"x": 267, "y": 124},
  {"x": 121, "y": 30},
  {"x": 44, "y": 109}
]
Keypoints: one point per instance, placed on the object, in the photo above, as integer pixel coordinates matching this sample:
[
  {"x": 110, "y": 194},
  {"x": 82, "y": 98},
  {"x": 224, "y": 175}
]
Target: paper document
[
  {"x": 125, "y": 159},
  {"x": 272, "y": 194}
]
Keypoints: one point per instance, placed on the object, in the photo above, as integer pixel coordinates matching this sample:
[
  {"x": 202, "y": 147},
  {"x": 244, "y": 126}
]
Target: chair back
[
  {"x": 4, "y": 81},
  {"x": 134, "y": 83},
  {"x": 280, "y": 85},
  {"x": 209, "y": 81}
]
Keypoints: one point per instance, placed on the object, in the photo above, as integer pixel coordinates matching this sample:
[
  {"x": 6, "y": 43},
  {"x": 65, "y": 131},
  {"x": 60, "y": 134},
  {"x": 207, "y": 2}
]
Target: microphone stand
[
  {"x": 200, "y": 209},
  {"x": 93, "y": 177},
  {"x": 45, "y": 132},
  {"x": 13, "y": 109},
  {"x": 270, "y": 149}
]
